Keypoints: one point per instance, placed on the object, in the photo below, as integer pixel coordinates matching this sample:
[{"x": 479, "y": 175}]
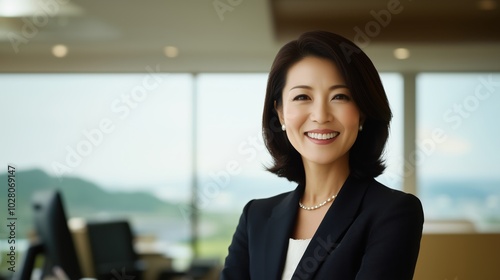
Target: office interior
[{"x": 145, "y": 117}]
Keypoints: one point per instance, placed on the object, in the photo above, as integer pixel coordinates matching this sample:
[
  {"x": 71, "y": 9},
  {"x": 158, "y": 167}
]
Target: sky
[
  {"x": 462, "y": 109},
  {"x": 128, "y": 130}
]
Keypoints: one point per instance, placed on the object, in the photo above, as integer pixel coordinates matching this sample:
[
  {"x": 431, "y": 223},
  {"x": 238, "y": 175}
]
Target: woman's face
[{"x": 321, "y": 118}]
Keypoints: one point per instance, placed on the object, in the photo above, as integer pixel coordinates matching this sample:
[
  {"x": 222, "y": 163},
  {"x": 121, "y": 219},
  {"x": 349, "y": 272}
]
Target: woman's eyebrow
[{"x": 309, "y": 87}]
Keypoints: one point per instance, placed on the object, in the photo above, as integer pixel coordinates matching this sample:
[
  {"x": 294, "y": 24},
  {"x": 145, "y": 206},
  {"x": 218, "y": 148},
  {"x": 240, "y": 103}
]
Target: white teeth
[{"x": 322, "y": 136}]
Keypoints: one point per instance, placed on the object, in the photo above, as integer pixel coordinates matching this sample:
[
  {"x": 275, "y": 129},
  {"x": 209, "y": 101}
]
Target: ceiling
[{"x": 244, "y": 35}]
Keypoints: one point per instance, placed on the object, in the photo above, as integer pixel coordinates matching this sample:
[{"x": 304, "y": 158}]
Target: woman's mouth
[{"x": 322, "y": 136}]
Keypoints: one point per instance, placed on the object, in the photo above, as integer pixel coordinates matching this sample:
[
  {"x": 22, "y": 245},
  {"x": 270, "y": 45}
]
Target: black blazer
[{"x": 370, "y": 232}]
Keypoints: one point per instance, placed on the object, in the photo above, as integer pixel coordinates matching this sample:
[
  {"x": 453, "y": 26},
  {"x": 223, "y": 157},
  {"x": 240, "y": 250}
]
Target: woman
[{"x": 339, "y": 223}]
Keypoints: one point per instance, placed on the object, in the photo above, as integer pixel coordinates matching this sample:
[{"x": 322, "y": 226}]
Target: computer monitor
[{"x": 55, "y": 240}]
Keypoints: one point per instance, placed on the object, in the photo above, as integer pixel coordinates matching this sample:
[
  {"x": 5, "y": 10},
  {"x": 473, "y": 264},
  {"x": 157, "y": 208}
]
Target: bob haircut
[{"x": 363, "y": 80}]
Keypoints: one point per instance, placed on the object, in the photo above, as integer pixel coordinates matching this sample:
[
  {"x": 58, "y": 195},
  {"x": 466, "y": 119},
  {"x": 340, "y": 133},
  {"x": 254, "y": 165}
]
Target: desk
[{"x": 459, "y": 256}]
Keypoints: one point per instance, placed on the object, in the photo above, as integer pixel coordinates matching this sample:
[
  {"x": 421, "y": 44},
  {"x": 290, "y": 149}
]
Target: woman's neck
[{"x": 323, "y": 181}]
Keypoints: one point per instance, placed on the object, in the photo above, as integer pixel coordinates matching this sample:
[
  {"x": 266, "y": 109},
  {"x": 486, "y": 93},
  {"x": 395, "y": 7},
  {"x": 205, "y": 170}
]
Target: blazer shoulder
[
  {"x": 379, "y": 194},
  {"x": 267, "y": 204},
  {"x": 263, "y": 208},
  {"x": 384, "y": 192}
]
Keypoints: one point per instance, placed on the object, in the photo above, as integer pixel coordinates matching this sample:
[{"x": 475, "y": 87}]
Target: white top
[{"x": 296, "y": 249}]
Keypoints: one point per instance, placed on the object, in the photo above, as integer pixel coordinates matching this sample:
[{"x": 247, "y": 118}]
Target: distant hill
[{"x": 81, "y": 198}]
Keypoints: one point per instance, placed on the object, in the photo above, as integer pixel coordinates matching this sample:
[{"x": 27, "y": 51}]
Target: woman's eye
[
  {"x": 301, "y": 97},
  {"x": 341, "y": 96}
]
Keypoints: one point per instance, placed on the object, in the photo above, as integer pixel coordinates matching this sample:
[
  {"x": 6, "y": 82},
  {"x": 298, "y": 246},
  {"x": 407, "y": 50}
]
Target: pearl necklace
[{"x": 314, "y": 207}]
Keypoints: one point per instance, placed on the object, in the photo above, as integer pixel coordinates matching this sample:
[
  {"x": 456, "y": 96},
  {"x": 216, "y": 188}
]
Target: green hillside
[{"x": 81, "y": 198}]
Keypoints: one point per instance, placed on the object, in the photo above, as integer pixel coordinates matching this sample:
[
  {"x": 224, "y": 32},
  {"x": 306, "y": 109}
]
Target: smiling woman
[{"x": 339, "y": 222}]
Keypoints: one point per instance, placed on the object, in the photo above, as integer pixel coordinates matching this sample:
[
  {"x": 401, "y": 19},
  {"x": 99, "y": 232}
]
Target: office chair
[{"x": 112, "y": 251}]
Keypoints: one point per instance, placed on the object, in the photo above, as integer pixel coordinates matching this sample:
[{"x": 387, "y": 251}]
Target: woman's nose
[{"x": 321, "y": 112}]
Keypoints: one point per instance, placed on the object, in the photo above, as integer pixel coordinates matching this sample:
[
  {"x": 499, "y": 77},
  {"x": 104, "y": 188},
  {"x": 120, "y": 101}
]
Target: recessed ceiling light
[
  {"x": 486, "y": 5},
  {"x": 401, "y": 53},
  {"x": 60, "y": 50},
  {"x": 171, "y": 51}
]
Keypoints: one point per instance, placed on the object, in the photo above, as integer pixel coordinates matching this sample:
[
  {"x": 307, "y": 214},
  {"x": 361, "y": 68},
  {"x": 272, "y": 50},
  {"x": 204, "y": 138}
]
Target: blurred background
[{"x": 150, "y": 111}]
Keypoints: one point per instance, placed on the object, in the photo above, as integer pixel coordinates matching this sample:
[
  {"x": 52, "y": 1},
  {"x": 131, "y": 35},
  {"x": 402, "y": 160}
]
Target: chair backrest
[{"x": 112, "y": 248}]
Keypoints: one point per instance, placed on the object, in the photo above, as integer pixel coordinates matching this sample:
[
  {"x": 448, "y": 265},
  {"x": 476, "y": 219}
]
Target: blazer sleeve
[
  {"x": 236, "y": 265},
  {"x": 394, "y": 241}
]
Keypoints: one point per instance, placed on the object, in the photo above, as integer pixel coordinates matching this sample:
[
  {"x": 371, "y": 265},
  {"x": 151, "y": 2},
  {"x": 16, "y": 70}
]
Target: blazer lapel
[
  {"x": 279, "y": 229},
  {"x": 329, "y": 234}
]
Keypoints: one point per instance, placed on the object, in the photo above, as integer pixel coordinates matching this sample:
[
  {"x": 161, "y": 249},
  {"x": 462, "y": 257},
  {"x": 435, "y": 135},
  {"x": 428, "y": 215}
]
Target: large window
[
  {"x": 117, "y": 145},
  {"x": 232, "y": 155},
  {"x": 393, "y": 154},
  {"x": 457, "y": 136}
]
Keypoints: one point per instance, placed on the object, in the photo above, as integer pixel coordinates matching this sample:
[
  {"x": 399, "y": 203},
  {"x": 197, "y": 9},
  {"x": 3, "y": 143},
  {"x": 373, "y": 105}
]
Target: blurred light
[
  {"x": 171, "y": 51},
  {"x": 59, "y": 50},
  {"x": 76, "y": 223},
  {"x": 401, "y": 53},
  {"x": 28, "y": 8},
  {"x": 486, "y": 5},
  {"x": 17, "y": 8}
]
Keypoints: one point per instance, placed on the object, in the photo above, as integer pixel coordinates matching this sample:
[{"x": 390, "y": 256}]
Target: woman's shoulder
[
  {"x": 381, "y": 196},
  {"x": 267, "y": 205},
  {"x": 376, "y": 188},
  {"x": 270, "y": 202}
]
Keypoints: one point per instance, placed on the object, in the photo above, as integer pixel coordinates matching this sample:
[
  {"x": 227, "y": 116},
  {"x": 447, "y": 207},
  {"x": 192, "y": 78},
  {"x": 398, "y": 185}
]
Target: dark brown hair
[{"x": 363, "y": 80}]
